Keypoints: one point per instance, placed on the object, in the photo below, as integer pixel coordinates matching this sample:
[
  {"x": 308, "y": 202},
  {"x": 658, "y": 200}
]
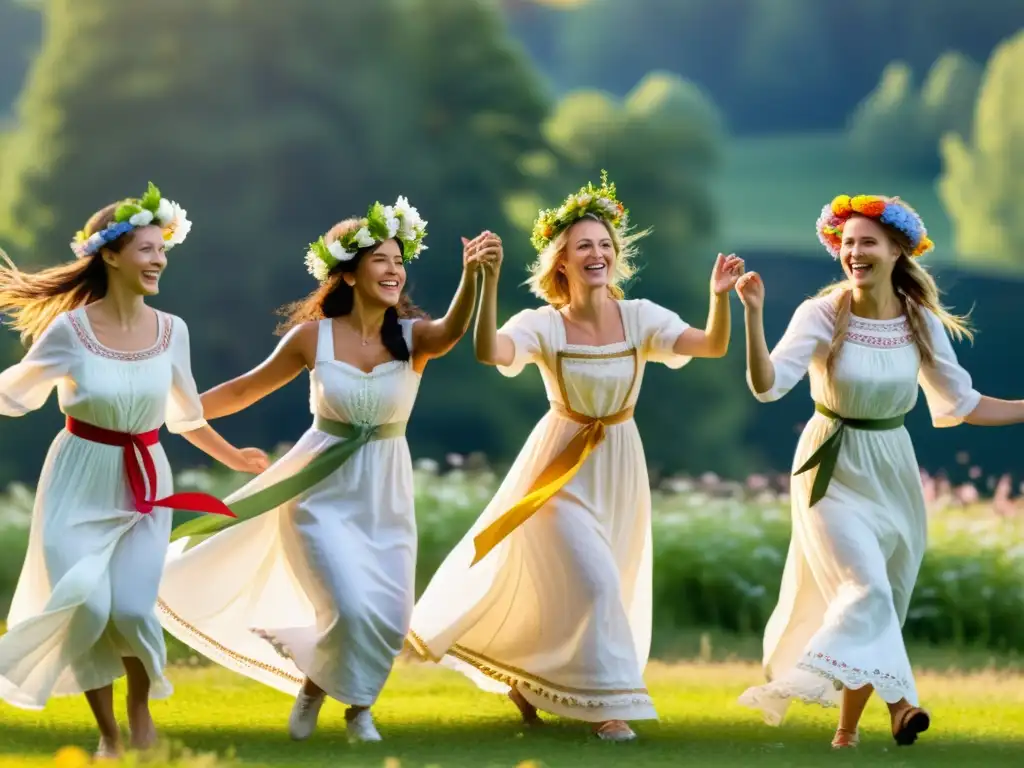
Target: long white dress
[
  {"x": 323, "y": 586},
  {"x": 88, "y": 587},
  {"x": 562, "y": 607},
  {"x": 855, "y": 555}
]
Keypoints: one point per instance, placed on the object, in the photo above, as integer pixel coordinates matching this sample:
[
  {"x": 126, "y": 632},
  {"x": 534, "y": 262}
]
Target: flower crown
[
  {"x": 890, "y": 211},
  {"x": 134, "y": 213},
  {"x": 381, "y": 223},
  {"x": 600, "y": 201}
]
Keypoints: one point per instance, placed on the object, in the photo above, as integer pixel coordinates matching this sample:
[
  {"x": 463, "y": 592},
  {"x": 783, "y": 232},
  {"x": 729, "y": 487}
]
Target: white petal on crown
[
  {"x": 165, "y": 212},
  {"x": 176, "y": 232},
  {"x": 316, "y": 266},
  {"x": 142, "y": 218},
  {"x": 363, "y": 238}
]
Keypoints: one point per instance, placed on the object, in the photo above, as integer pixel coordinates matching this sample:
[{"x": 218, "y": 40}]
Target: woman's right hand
[
  {"x": 750, "y": 289},
  {"x": 251, "y": 460}
]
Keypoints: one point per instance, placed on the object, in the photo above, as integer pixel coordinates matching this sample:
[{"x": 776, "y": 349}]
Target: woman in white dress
[
  {"x": 859, "y": 517},
  {"x": 548, "y": 596},
  {"x": 313, "y": 598},
  {"x": 83, "y": 611}
]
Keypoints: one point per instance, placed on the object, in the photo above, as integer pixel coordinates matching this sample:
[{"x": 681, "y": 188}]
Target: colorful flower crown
[
  {"x": 890, "y": 211},
  {"x": 381, "y": 223},
  {"x": 134, "y": 213},
  {"x": 600, "y": 202}
]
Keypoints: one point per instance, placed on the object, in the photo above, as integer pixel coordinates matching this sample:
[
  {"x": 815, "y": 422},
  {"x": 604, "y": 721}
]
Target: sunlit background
[{"x": 726, "y": 125}]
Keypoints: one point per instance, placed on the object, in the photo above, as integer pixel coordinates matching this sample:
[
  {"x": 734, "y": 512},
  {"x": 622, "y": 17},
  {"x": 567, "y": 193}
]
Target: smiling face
[
  {"x": 589, "y": 257},
  {"x": 140, "y": 262},
  {"x": 379, "y": 277},
  {"x": 868, "y": 253}
]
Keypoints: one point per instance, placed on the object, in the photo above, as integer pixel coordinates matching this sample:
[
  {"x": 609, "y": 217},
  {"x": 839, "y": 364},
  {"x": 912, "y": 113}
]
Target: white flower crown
[
  {"x": 381, "y": 223},
  {"x": 132, "y": 214}
]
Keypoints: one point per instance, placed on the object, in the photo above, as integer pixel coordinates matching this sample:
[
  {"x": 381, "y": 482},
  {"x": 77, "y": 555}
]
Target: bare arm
[
  {"x": 759, "y": 362},
  {"x": 287, "y": 361},
  {"x": 209, "y": 441},
  {"x": 491, "y": 347},
  {"x": 435, "y": 338},
  {"x": 713, "y": 341},
  {"x": 993, "y": 412}
]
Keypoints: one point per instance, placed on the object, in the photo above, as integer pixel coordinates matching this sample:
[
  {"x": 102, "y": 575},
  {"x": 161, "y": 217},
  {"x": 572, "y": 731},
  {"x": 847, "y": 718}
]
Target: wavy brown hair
[
  {"x": 335, "y": 298},
  {"x": 916, "y": 290},
  {"x": 32, "y": 300}
]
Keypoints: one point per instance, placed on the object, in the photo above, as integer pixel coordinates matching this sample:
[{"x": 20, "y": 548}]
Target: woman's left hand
[
  {"x": 484, "y": 250},
  {"x": 727, "y": 270}
]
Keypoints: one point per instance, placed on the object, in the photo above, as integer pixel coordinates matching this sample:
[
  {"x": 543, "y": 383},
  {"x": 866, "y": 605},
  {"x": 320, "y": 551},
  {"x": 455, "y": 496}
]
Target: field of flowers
[{"x": 719, "y": 549}]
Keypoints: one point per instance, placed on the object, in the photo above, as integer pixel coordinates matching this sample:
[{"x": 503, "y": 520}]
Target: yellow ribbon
[{"x": 553, "y": 478}]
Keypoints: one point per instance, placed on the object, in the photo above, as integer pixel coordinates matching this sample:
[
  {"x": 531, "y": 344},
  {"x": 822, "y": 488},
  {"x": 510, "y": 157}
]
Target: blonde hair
[
  {"x": 915, "y": 288},
  {"x": 550, "y": 285},
  {"x": 32, "y": 300}
]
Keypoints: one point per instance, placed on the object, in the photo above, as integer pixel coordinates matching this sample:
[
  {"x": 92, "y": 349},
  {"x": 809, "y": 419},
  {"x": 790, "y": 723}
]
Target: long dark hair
[
  {"x": 33, "y": 300},
  {"x": 335, "y": 298}
]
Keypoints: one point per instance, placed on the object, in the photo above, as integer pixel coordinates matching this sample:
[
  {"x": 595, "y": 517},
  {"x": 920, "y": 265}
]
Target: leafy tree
[
  {"x": 981, "y": 185},
  {"x": 269, "y": 125}
]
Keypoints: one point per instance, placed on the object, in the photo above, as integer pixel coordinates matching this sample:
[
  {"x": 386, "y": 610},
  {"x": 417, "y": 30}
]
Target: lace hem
[{"x": 820, "y": 679}]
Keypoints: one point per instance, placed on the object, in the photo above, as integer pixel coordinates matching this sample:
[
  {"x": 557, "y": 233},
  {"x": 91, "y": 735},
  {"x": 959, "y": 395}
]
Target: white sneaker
[
  {"x": 361, "y": 727},
  {"x": 305, "y": 712}
]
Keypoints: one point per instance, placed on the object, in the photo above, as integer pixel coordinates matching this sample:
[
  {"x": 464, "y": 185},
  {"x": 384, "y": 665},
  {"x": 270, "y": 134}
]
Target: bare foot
[
  {"x": 845, "y": 738},
  {"x": 141, "y": 725},
  {"x": 109, "y": 749},
  {"x": 526, "y": 709}
]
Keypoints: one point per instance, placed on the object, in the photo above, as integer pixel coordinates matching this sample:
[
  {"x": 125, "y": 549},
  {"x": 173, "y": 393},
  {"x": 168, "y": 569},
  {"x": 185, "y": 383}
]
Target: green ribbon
[
  {"x": 321, "y": 466},
  {"x": 827, "y": 454}
]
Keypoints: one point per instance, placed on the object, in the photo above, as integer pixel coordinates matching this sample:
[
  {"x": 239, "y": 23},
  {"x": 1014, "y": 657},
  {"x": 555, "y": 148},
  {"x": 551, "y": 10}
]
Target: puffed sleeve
[
  {"x": 659, "y": 330},
  {"x": 184, "y": 408},
  {"x": 948, "y": 388},
  {"x": 810, "y": 326},
  {"x": 526, "y": 329},
  {"x": 26, "y": 386}
]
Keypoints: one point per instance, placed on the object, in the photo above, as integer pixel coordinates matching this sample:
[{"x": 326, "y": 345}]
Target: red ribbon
[{"x": 136, "y": 447}]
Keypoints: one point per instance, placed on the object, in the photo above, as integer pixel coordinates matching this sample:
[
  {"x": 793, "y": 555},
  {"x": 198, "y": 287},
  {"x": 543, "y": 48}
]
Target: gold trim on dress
[
  {"x": 513, "y": 676},
  {"x": 166, "y": 609}
]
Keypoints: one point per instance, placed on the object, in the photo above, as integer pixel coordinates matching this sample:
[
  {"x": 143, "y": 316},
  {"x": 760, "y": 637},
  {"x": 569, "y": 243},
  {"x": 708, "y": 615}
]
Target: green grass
[
  {"x": 772, "y": 188},
  {"x": 432, "y": 717}
]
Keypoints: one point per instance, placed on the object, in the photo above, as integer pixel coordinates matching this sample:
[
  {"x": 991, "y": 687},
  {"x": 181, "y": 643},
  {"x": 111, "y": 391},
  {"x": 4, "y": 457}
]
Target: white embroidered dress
[
  {"x": 854, "y": 557},
  {"x": 322, "y": 586},
  {"x": 88, "y": 587},
  {"x": 562, "y": 607}
]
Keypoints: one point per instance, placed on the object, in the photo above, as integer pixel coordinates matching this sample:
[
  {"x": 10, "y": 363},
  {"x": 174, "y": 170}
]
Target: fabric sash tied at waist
[
  {"x": 321, "y": 466},
  {"x": 827, "y": 454},
  {"x": 142, "y": 479},
  {"x": 553, "y": 478}
]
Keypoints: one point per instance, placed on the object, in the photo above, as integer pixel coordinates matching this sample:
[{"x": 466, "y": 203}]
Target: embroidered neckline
[{"x": 93, "y": 345}]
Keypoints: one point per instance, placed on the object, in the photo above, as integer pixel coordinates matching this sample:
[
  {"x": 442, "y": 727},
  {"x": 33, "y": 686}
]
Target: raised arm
[
  {"x": 713, "y": 341},
  {"x": 949, "y": 389},
  {"x": 435, "y": 338},
  {"x": 772, "y": 376},
  {"x": 491, "y": 347},
  {"x": 296, "y": 351}
]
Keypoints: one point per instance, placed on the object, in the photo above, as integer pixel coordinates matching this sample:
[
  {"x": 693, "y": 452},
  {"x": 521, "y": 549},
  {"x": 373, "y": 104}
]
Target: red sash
[{"x": 136, "y": 448}]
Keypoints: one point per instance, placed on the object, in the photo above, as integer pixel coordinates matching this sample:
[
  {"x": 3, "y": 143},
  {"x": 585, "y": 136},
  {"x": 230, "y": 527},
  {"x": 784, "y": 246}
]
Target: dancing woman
[
  {"x": 859, "y": 518},
  {"x": 314, "y": 597},
  {"x": 83, "y": 611},
  {"x": 548, "y": 596}
]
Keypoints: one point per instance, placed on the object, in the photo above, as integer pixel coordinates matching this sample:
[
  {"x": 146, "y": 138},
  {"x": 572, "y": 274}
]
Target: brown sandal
[
  {"x": 845, "y": 738},
  {"x": 908, "y": 724},
  {"x": 526, "y": 709}
]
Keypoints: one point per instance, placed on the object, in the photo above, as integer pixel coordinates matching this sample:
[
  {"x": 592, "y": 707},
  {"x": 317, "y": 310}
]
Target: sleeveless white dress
[
  {"x": 88, "y": 587},
  {"x": 322, "y": 586},
  {"x": 562, "y": 607},
  {"x": 855, "y": 555}
]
